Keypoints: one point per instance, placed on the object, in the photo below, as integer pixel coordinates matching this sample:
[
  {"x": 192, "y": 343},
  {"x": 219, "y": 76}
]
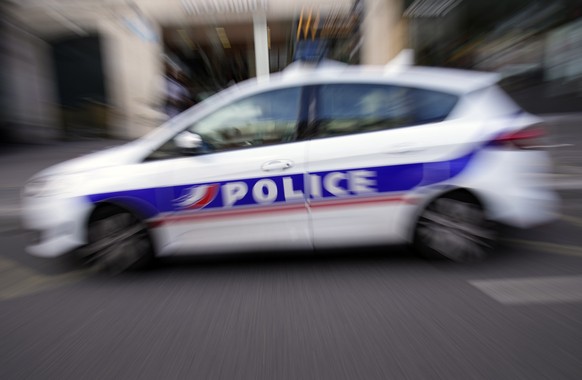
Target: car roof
[
  {"x": 442, "y": 79},
  {"x": 452, "y": 81}
]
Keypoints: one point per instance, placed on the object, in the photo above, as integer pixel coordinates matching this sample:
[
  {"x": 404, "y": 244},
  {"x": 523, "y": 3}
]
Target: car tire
[
  {"x": 455, "y": 227},
  {"x": 117, "y": 242}
]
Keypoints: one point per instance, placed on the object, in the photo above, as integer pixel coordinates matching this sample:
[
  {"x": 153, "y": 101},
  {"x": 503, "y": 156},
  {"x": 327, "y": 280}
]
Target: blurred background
[
  {"x": 80, "y": 75},
  {"x": 117, "y": 68}
]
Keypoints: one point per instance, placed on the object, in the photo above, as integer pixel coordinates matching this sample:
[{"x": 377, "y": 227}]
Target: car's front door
[{"x": 243, "y": 191}]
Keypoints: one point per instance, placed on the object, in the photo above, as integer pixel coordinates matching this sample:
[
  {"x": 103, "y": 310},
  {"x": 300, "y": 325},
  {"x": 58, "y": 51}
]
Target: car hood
[{"x": 120, "y": 155}]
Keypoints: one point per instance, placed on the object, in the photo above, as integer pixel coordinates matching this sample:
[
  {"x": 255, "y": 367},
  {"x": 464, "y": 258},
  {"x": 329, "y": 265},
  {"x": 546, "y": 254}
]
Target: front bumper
[{"x": 59, "y": 224}]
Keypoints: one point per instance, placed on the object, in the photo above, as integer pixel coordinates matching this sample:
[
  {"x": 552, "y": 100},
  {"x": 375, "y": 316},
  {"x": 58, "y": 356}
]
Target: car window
[
  {"x": 358, "y": 108},
  {"x": 264, "y": 119}
]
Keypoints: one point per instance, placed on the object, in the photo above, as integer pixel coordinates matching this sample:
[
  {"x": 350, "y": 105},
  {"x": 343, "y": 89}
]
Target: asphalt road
[{"x": 356, "y": 314}]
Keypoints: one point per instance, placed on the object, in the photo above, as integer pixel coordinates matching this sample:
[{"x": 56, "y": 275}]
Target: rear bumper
[
  {"x": 514, "y": 187},
  {"x": 526, "y": 209}
]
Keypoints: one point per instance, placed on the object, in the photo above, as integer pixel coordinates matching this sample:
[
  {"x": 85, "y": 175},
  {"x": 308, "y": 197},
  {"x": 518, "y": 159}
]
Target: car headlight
[{"x": 50, "y": 186}]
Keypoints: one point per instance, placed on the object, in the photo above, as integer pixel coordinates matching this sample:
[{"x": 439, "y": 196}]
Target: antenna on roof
[{"x": 403, "y": 60}]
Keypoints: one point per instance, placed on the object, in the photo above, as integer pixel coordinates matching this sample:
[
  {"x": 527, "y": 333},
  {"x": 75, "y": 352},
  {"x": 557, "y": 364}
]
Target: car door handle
[
  {"x": 404, "y": 149},
  {"x": 275, "y": 165}
]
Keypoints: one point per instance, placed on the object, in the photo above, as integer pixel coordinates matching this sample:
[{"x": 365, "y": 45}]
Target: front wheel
[
  {"x": 455, "y": 227},
  {"x": 117, "y": 241}
]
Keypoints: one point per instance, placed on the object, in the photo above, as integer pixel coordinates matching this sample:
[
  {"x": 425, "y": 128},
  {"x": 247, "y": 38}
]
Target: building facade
[{"x": 96, "y": 68}]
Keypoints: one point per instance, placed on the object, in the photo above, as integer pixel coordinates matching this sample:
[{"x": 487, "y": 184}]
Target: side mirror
[{"x": 188, "y": 143}]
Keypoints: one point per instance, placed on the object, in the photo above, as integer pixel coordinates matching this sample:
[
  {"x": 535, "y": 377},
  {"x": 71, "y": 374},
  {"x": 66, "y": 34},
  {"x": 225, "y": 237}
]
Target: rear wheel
[
  {"x": 455, "y": 227},
  {"x": 117, "y": 241}
]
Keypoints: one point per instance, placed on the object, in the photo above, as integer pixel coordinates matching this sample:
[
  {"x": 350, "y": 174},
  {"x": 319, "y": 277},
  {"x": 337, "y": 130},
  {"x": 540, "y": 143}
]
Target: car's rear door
[{"x": 372, "y": 144}]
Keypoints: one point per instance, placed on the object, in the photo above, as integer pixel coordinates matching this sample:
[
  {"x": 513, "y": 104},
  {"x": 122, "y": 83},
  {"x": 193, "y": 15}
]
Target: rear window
[{"x": 357, "y": 108}]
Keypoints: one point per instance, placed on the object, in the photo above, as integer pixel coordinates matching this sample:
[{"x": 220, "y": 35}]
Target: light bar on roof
[
  {"x": 200, "y": 7},
  {"x": 430, "y": 8}
]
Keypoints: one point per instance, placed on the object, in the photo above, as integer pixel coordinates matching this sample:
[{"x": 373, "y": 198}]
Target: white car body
[{"x": 354, "y": 189}]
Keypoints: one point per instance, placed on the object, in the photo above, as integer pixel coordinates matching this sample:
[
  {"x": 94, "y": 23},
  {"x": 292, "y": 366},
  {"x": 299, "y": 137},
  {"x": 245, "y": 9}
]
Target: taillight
[{"x": 527, "y": 138}]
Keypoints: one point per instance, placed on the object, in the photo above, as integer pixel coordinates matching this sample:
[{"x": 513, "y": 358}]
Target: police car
[{"x": 313, "y": 157}]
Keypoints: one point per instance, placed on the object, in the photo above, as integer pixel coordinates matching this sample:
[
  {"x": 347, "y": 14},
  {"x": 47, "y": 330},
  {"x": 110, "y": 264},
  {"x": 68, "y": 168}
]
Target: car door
[
  {"x": 372, "y": 144},
  {"x": 244, "y": 188}
]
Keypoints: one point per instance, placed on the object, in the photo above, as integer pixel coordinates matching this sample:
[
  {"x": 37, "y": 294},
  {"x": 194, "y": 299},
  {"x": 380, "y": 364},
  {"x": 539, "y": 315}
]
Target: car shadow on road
[
  {"x": 400, "y": 256},
  {"x": 287, "y": 258},
  {"x": 390, "y": 257}
]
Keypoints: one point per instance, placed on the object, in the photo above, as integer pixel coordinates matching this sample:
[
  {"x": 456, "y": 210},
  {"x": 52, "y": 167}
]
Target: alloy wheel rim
[
  {"x": 116, "y": 243},
  {"x": 457, "y": 230}
]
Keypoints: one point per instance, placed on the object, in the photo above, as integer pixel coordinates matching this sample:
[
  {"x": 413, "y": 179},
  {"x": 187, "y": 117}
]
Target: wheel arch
[
  {"x": 440, "y": 192},
  {"x": 117, "y": 205},
  {"x": 138, "y": 208}
]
